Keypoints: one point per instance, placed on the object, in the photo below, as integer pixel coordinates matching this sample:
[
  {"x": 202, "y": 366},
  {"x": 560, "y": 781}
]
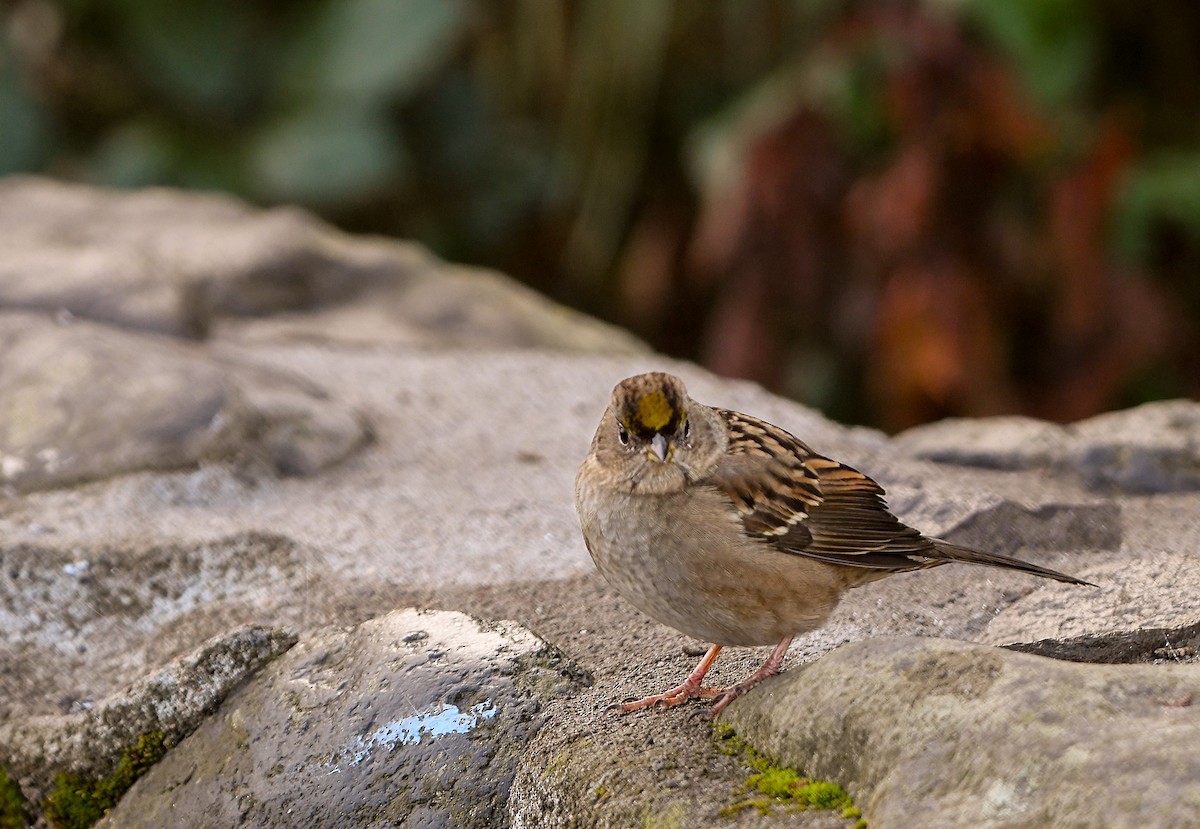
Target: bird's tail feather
[{"x": 953, "y": 552}]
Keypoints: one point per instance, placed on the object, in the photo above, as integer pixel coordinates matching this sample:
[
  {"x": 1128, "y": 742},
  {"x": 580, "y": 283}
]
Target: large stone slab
[
  {"x": 166, "y": 261},
  {"x": 1151, "y": 448},
  {"x": 413, "y": 719},
  {"x": 170, "y": 701},
  {"x": 1163, "y": 623},
  {"x": 362, "y": 426},
  {"x": 79, "y": 626},
  {"x": 81, "y": 401},
  {"x": 181, "y": 263},
  {"x": 942, "y": 734}
]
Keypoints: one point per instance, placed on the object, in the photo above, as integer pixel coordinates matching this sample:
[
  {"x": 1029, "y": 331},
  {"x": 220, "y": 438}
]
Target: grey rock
[
  {"x": 81, "y": 401},
  {"x": 172, "y": 700},
  {"x": 169, "y": 262},
  {"x": 441, "y": 306},
  {"x": 80, "y": 625},
  {"x": 183, "y": 263},
  {"x": 996, "y": 511},
  {"x": 1148, "y": 449},
  {"x": 1152, "y": 448},
  {"x": 939, "y": 734},
  {"x": 1010, "y": 527},
  {"x": 415, "y": 719},
  {"x": 1006, "y": 442},
  {"x": 361, "y": 426},
  {"x": 1108, "y": 624}
]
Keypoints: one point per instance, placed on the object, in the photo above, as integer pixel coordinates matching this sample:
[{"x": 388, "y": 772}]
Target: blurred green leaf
[
  {"x": 133, "y": 155},
  {"x": 495, "y": 169},
  {"x": 328, "y": 156},
  {"x": 857, "y": 98},
  {"x": 200, "y": 53},
  {"x": 373, "y": 50},
  {"x": 1164, "y": 188},
  {"x": 22, "y": 125},
  {"x": 1053, "y": 42}
]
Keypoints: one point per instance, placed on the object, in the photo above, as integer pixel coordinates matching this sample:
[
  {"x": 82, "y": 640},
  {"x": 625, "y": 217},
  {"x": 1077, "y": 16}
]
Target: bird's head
[{"x": 656, "y": 435}]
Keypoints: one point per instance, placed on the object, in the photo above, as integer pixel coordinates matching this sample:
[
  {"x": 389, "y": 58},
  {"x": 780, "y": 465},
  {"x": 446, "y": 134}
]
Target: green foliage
[
  {"x": 13, "y": 814},
  {"x": 22, "y": 125},
  {"x": 1164, "y": 190},
  {"x": 1053, "y": 43},
  {"x": 779, "y": 786},
  {"x": 77, "y": 803}
]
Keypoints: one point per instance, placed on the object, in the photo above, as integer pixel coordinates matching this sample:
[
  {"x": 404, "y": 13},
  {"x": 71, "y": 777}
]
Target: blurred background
[{"x": 892, "y": 211}]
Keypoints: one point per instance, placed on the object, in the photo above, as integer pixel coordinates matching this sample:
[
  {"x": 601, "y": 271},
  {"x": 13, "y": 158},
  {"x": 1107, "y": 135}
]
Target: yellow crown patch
[{"x": 654, "y": 411}]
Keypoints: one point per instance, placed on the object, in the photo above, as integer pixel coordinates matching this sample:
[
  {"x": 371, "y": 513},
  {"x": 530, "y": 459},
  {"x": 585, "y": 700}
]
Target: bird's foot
[
  {"x": 680, "y": 694},
  {"x": 770, "y": 668},
  {"x": 667, "y": 699},
  {"x": 724, "y": 696}
]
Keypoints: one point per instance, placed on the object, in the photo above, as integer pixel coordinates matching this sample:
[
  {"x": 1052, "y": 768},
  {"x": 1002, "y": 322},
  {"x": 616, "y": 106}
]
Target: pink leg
[
  {"x": 690, "y": 688},
  {"x": 769, "y": 668}
]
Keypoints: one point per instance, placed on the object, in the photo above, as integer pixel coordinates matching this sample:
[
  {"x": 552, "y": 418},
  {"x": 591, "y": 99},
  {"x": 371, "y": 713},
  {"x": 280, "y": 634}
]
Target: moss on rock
[
  {"x": 77, "y": 803},
  {"x": 13, "y": 814},
  {"x": 778, "y": 786}
]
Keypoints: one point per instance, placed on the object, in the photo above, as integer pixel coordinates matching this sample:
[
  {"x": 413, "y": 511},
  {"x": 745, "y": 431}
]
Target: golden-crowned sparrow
[{"x": 733, "y": 531}]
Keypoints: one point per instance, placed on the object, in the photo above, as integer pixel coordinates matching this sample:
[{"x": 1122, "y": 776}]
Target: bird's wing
[{"x": 802, "y": 503}]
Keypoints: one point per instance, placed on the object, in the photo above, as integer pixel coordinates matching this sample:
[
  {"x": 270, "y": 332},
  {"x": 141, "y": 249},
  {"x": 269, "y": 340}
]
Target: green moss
[
  {"x": 672, "y": 817},
  {"x": 77, "y": 803},
  {"x": 779, "y": 786},
  {"x": 13, "y": 814}
]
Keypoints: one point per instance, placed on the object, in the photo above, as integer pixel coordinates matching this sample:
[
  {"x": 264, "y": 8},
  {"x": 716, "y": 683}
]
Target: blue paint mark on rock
[{"x": 411, "y": 730}]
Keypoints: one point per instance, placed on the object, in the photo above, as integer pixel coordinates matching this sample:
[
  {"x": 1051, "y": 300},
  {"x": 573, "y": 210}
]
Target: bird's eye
[
  {"x": 687, "y": 428},
  {"x": 622, "y": 435}
]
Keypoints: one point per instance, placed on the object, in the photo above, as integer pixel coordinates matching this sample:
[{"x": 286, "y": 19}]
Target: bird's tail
[{"x": 953, "y": 552}]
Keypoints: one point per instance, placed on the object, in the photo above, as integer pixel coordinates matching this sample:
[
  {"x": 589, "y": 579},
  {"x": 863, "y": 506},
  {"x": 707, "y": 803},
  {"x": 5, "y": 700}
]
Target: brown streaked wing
[
  {"x": 806, "y": 504},
  {"x": 765, "y": 476}
]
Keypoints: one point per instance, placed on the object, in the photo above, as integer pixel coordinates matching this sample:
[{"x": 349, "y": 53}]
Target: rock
[
  {"x": 165, "y": 261},
  {"x": 80, "y": 401},
  {"x": 996, "y": 511},
  {"x": 171, "y": 701},
  {"x": 938, "y": 734},
  {"x": 441, "y": 306},
  {"x": 1005, "y": 442},
  {"x": 180, "y": 263},
  {"x": 1151, "y": 448},
  {"x": 80, "y": 625},
  {"x": 416, "y": 719},
  {"x": 1010, "y": 527},
  {"x": 355, "y": 426},
  {"x": 1104, "y": 625}
]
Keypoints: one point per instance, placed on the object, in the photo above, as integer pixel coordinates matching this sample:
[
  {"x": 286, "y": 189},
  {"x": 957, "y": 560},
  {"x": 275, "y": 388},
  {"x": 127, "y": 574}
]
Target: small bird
[{"x": 733, "y": 531}]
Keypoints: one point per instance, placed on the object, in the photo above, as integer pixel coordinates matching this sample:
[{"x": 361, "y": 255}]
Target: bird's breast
[{"x": 684, "y": 560}]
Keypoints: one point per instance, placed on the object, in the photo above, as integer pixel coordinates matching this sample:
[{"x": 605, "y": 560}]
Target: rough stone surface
[
  {"x": 246, "y": 421},
  {"x": 412, "y": 719},
  {"x": 1104, "y": 625},
  {"x": 939, "y": 734},
  {"x": 1149, "y": 449},
  {"x": 178, "y": 264},
  {"x": 150, "y": 259},
  {"x": 81, "y": 401},
  {"x": 78, "y": 628},
  {"x": 172, "y": 700}
]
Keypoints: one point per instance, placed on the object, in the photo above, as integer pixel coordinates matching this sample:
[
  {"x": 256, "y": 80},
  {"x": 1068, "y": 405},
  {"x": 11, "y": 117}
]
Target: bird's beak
[{"x": 659, "y": 448}]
